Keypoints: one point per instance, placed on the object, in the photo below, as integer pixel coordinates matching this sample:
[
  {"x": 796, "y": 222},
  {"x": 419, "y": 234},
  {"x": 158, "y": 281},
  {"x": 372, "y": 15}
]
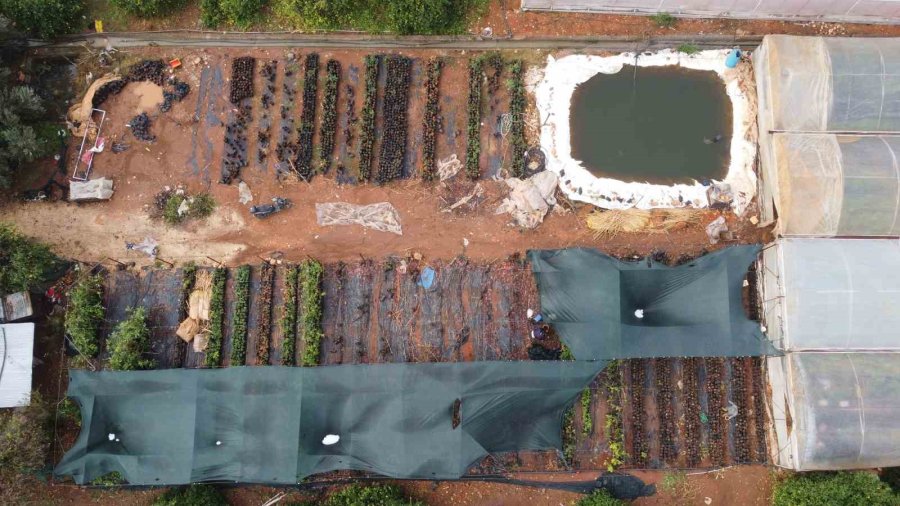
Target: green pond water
[{"x": 660, "y": 125}]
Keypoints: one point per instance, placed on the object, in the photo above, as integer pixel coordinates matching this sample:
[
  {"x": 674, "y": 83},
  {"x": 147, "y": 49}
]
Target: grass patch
[
  {"x": 194, "y": 495},
  {"x": 688, "y": 49},
  {"x": 664, "y": 20}
]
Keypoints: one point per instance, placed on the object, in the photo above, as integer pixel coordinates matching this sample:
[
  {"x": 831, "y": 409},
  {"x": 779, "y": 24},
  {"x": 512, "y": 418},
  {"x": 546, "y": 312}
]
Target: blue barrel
[{"x": 733, "y": 58}]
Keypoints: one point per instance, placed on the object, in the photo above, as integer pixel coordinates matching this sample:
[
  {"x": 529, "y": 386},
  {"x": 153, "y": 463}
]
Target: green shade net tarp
[
  {"x": 267, "y": 424},
  {"x": 692, "y": 310}
]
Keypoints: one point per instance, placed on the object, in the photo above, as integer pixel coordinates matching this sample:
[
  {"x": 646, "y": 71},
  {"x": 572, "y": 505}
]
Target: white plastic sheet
[{"x": 381, "y": 216}]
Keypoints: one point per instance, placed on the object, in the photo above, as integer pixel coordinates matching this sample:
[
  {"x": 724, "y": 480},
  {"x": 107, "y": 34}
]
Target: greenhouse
[
  {"x": 831, "y": 304},
  {"x": 829, "y": 121}
]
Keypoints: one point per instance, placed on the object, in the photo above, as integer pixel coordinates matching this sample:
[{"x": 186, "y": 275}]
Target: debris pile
[
  {"x": 140, "y": 128},
  {"x": 530, "y": 199},
  {"x": 147, "y": 70},
  {"x": 180, "y": 89}
]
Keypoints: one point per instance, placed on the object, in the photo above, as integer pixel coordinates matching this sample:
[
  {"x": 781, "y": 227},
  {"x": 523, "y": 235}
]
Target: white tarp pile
[
  {"x": 530, "y": 199},
  {"x": 381, "y": 216},
  {"x": 89, "y": 191}
]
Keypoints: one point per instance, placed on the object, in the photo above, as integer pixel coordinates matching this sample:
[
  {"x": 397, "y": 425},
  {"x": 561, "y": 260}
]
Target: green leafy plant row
[
  {"x": 303, "y": 162},
  {"x": 241, "y": 313},
  {"x": 367, "y": 137},
  {"x": 569, "y": 436},
  {"x": 613, "y": 424},
  {"x": 396, "y": 103},
  {"x": 85, "y": 314},
  {"x": 516, "y": 87},
  {"x": 289, "y": 316},
  {"x": 311, "y": 295},
  {"x": 264, "y": 321},
  {"x": 587, "y": 421},
  {"x": 432, "y": 120},
  {"x": 216, "y": 318},
  {"x": 129, "y": 343},
  {"x": 473, "y": 126},
  {"x": 329, "y": 112}
]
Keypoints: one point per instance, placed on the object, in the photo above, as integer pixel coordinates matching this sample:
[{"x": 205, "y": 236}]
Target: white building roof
[{"x": 16, "y": 351}]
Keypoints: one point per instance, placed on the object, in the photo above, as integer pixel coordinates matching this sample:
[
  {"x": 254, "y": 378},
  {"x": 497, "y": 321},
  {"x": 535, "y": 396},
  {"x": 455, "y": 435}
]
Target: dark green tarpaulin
[
  {"x": 267, "y": 424},
  {"x": 693, "y": 310}
]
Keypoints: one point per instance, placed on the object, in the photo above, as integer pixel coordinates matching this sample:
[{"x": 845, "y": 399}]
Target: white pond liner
[{"x": 553, "y": 91}]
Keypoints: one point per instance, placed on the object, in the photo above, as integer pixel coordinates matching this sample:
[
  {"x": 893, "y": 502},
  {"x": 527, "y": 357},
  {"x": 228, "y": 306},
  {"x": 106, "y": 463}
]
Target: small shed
[{"x": 16, "y": 350}]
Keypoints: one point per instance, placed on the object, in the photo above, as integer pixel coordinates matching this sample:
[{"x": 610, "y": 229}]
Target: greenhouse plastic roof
[
  {"x": 269, "y": 424},
  {"x": 838, "y": 185},
  {"x": 839, "y": 294},
  {"x": 829, "y": 120},
  {"x": 846, "y": 408},
  {"x": 830, "y": 84},
  {"x": 692, "y": 310}
]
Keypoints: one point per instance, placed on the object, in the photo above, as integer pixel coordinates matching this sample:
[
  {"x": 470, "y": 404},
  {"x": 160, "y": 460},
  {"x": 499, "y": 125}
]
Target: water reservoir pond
[{"x": 659, "y": 125}]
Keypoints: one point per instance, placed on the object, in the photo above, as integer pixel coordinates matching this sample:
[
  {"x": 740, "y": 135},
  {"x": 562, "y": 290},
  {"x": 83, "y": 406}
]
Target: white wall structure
[
  {"x": 16, "y": 350},
  {"x": 831, "y": 306},
  {"x": 862, "y": 11}
]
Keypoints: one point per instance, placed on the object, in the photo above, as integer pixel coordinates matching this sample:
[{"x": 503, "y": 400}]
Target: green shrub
[
  {"x": 600, "y": 498},
  {"x": 199, "y": 206},
  {"x": 664, "y": 20},
  {"x": 311, "y": 297},
  {"x": 24, "y": 264},
  {"x": 149, "y": 8},
  {"x": 216, "y": 318},
  {"x": 241, "y": 13},
  {"x": 45, "y": 18},
  {"x": 401, "y": 16},
  {"x": 85, "y": 314},
  {"x": 688, "y": 49},
  {"x": 241, "y": 312},
  {"x": 194, "y": 495},
  {"x": 25, "y": 437},
  {"x": 130, "y": 343},
  {"x": 375, "y": 495},
  {"x": 834, "y": 489}
]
